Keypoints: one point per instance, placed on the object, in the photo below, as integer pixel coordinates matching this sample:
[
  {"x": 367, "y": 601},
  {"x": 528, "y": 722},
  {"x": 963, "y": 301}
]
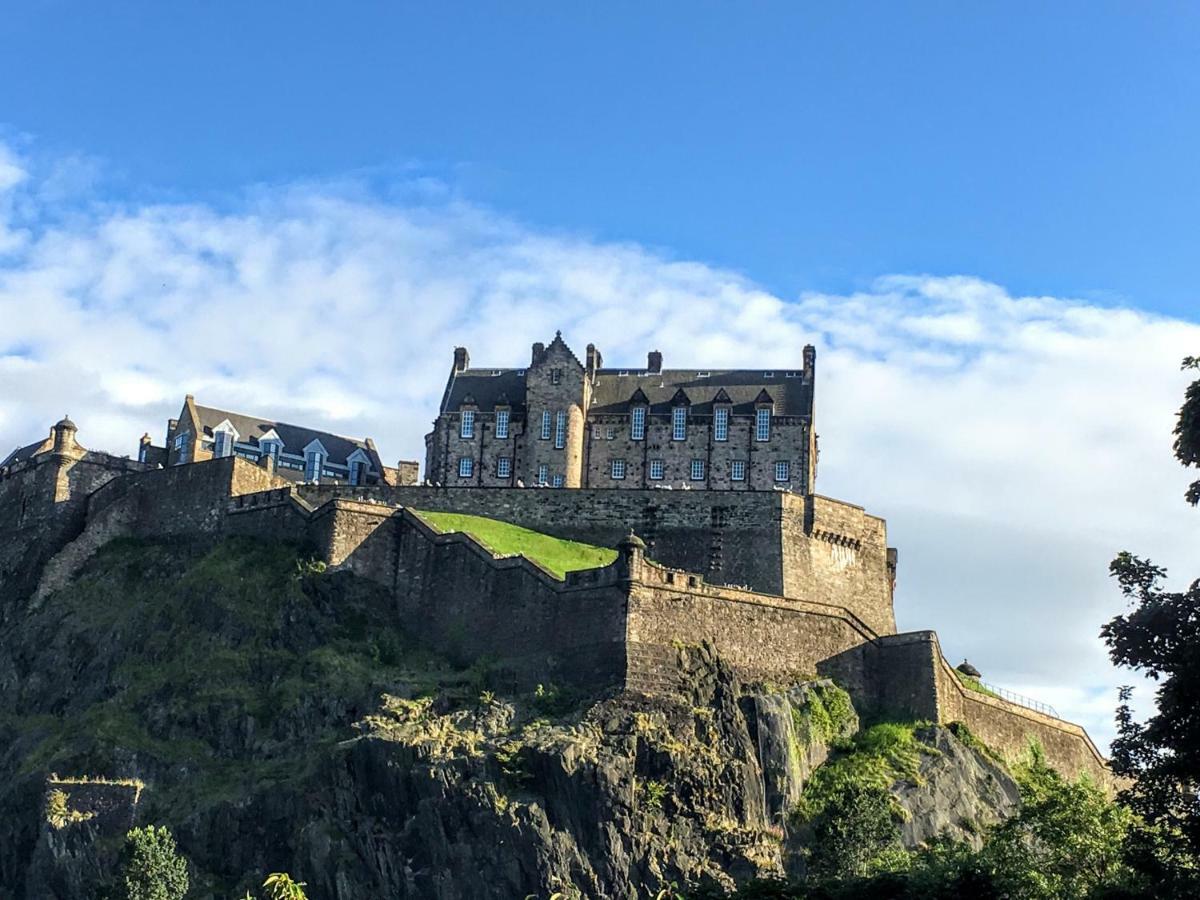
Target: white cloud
[{"x": 1015, "y": 444}]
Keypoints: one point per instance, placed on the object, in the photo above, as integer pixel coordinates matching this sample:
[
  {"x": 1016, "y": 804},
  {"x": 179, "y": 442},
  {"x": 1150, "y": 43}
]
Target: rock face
[
  {"x": 281, "y": 721},
  {"x": 958, "y": 793}
]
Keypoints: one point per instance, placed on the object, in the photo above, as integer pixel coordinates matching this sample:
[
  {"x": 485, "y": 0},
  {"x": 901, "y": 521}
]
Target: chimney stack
[
  {"x": 810, "y": 363},
  {"x": 653, "y": 361},
  {"x": 462, "y": 359},
  {"x": 538, "y": 350},
  {"x": 594, "y": 360}
]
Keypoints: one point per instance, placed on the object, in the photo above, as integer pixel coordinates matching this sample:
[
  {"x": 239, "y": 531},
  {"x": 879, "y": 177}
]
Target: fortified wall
[
  {"x": 772, "y": 542},
  {"x": 618, "y": 627}
]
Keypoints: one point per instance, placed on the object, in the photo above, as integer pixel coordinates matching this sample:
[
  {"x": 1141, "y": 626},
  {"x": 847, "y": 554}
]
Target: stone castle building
[
  {"x": 294, "y": 452},
  {"x": 561, "y": 422}
]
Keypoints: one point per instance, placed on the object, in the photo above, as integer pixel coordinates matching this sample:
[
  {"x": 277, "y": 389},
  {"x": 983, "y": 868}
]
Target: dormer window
[
  {"x": 358, "y": 472},
  {"x": 679, "y": 416},
  {"x": 502, "y": 423},
  {"x": 314, "y": 460},
  {"x": 271, "y": 449},
  {"x": 467, "y": 419},
  {"x": 721, "y": 423},
  {"x": 222, "y": 444},
  {"x": 637, "y": 423},
  {"x": 762, "y": 423}
]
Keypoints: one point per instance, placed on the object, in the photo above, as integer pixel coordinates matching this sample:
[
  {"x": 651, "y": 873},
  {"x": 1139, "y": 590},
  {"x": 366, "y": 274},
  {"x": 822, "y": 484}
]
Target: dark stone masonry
[{"x": 747, "y": 558}]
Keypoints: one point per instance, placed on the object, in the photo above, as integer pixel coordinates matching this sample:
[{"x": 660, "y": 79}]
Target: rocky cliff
[{"x": 276, "y": 717}]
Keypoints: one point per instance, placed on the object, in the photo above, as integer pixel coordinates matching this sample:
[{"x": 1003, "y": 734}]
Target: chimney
[
  {"x": 653, "y": 361},
  {"x": 810, "y": 363},
  {"x": 538, "y": 349},
  {"x": 594, "y": 360},
  {"x": 462, "y": 359}
]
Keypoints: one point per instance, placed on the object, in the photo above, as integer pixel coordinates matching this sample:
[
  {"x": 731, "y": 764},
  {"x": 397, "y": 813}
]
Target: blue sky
[
  {"x": 984, "y": 216},
  {"x": 1051, "y": 147}
]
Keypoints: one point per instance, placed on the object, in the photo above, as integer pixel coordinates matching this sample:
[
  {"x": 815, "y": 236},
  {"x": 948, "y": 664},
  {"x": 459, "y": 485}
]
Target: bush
[
  {"x": 857, "y": 834},
  {"x": 151, "y": 866}
]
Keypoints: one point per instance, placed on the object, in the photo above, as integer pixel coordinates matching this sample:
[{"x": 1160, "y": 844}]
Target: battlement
[{"x": 782, "y": 586}]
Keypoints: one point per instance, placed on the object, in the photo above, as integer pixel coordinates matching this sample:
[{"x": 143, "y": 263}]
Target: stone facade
[
  {"x": 294, "y": 452},
  {"x": 821, "y": 570},
  {"x": 561, "y": 422}
]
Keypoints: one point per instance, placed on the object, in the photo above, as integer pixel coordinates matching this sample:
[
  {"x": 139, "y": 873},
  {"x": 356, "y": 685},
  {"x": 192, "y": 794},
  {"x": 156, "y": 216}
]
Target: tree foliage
[
  {"x": 857, "y": 834},
  {"x": 151, "y": 866},
  {"x": 1187, "y": 430}
]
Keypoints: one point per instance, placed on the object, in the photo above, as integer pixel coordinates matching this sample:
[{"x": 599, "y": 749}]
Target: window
[
  {"x": 545, "y": 424},
  {"x": 558, "y": 481},
  {"x": 737, "y": 470},
  {"x": 358, "y": 472},
  {"x": 618, "y": 469},
  {"x": 313, "y": 461},
  {"x": 502, "y": 423},
  {"x": 721, "y": 423},
  {"x": 697, "y": 470},
  {"x": 656, "y": 469},
  {"x": 543, "y": 474},
  {"x": 466, "y": 467},
  {"x": 503, "y": 467},
  {"x": 222, "y": 444},
  {"x": 783, "y": 470},
  {"x": 762, "y": 424},
  {"x": 610, "y": 433},
  {"x": 271, "y": 449},
  {"x": 181, "y": 440},
  {"x": 468, "y": 423},
  {"x": 679, "y": 423},
  {"x": 560, "y": 430},
  {"x": 637, "y": 423},
  {"x": 556, "y": 376}
]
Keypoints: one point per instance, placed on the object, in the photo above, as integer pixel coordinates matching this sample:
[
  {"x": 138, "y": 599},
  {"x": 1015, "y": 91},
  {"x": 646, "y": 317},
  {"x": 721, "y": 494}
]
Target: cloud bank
[{"x": 1014, "y": 444}]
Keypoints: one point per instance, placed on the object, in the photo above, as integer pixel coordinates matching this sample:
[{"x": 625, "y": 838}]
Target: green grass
[
  {"x": 971, "y": 683},
  {"x": 505, "y": 539}
]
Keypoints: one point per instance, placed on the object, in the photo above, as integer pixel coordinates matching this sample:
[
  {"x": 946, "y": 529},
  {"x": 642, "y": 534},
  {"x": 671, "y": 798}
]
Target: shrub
[{"x": 151, "y": 866}]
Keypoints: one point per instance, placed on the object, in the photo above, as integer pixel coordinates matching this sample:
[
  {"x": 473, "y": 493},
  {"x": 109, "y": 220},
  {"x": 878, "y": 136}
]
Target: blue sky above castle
[{"x": 982, "y": 215}]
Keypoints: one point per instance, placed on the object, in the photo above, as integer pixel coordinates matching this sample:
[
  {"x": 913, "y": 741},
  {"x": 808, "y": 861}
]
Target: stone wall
[
  {"x": 810, "y": 548},
  {"x": 835, "y": 552}
]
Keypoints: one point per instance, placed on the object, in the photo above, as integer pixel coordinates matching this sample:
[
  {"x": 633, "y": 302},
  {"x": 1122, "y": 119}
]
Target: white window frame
[
  {"x": 543, "y": 475},
  {"x": 557, "y": 481},
  {"x": 658, "y": 469},
  {"x": 721, "y": 423},
  {"x": 358, "y": 472},
  {"x": 637, "y": 423},
  {"x": 222, "y": 444},
  {"x": 617, "y": 470},
  {"x": 467, "y": 424},
  {"x": 762, "y": 424},
  {"x": 504, "y": 467},
  {"x": 679, "y": 417},
  {"x": 560, "y": 430},
  {"x": 737, "y": 470},
  {"x": 783, "y": 471},
  {"x": 697, "y": 466},
  {"x": 502, "y": 423},
  {"x": 545, "y": 424},
  {"x": 466, "y": 467}
]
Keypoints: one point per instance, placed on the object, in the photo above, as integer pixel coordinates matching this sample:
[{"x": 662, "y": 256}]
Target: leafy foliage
[
  {"x": 1187, "y": 430},
  {"x": 151, "y": 867},
  {"x": 857, "y": 834}
]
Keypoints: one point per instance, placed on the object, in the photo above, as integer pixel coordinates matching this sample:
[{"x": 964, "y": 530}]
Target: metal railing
[{"x": 1021, "y": 700}]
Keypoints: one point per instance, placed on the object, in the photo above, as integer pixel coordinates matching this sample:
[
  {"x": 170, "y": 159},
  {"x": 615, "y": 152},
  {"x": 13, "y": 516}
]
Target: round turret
[{"x": 64, "y": 435}]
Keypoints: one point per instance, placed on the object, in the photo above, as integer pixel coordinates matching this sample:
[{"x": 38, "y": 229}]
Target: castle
[
  {"x": 784, "y": 583},
  {"x": 565, "y": 423}
]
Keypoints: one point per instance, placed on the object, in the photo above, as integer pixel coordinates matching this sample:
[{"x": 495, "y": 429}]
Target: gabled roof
[
  {"x": 295, "y": 438},
  {"x": 740, "y": 387},
  {"x": 27, "y": 452}
]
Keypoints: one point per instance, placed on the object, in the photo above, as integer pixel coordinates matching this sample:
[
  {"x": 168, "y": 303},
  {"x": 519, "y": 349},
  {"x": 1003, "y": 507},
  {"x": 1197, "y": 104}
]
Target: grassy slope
[{"x": 505, "y": 539}]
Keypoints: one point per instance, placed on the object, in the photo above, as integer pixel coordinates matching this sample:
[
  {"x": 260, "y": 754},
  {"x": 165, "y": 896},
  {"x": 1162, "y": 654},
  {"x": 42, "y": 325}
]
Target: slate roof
[
  {"x": 295, "y": 437},
  {"x": 23, "y": 453},
  {"x": 612, "y": 391}
]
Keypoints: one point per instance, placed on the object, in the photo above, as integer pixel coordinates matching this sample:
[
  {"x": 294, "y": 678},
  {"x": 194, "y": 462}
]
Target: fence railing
[{"x": 1021, "y": 700}]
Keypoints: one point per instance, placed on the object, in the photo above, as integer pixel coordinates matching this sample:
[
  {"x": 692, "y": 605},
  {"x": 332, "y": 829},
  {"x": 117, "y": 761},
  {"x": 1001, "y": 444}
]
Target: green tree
[
  {"x": 151, "y": 867},
  {"x": 856, "y": 835},
  {"x": 1160, "y": 637},
  {"x": 280, "y": 886}
]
